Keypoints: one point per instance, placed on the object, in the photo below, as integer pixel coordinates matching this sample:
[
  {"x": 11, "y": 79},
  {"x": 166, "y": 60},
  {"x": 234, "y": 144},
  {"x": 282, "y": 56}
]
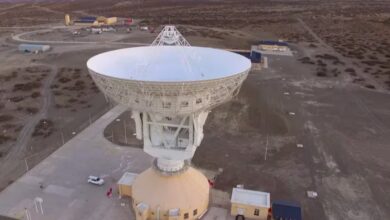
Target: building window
[
  {"x": 198, "y": 101},
  {"x": 186, "y": 215},
  {"x": 195, "y": 212},
  {"x": 184, "y": 104},
  {"x": 257, "y": 212}
]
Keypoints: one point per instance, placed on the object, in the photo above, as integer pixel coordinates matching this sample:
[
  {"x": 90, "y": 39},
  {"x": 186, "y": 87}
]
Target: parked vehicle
[{"x": 95, "y": 180}]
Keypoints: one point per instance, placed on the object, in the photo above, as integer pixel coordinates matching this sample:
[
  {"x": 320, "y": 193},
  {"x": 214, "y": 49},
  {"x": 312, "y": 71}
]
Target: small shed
[
  {"x": 270, "y": 45},
  {"x": 33, "y": 48},
  {"x": 125, "y": 184},
  {"x": 286, "y": 210},
  {"x": 249, "y": 203},
  {"x": 111, "y": 21}
]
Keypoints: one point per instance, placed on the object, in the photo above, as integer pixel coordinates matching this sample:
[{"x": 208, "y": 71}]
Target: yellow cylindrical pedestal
[{"x": 176, "y": 197}]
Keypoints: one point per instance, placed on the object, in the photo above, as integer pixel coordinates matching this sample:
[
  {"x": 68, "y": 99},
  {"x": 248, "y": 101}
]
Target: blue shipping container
[
  {"x": 255, "y": 56},
  {"x": 88, "y": 18},
  {"x": 286, "y": 210}
]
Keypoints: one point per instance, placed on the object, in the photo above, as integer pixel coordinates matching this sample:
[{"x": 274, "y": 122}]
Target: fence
[{"x": 39, "y": 150}]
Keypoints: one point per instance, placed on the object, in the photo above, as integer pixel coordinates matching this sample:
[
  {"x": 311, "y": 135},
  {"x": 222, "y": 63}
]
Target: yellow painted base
[{"x": 155, "y": 196}]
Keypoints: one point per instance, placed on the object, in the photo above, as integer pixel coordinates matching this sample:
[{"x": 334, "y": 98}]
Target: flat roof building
[
  {"x": 250, "y": 204},
  {"x": 33, "y": 48},
  {"x": 125, "y": 183}
]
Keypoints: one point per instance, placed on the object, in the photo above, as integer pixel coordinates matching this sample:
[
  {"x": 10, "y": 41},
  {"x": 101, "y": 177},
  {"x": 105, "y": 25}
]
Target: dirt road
[
  {"x": 8, "y": 164},
  {"x": 346, "y": 60},
  {"x": 19, "y": 38}
]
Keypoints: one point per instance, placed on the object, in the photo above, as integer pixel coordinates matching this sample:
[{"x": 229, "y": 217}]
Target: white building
[
  {"x": 33, "y": 48},
  {"x": 250, "y": 204}
]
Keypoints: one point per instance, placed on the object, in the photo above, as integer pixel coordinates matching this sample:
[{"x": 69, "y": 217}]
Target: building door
[{"x": 240, "y": 211}]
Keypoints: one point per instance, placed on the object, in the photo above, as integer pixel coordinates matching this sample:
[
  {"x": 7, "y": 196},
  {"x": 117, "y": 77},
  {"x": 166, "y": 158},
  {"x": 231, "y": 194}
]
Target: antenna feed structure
[{"x": 170, "y": 36}]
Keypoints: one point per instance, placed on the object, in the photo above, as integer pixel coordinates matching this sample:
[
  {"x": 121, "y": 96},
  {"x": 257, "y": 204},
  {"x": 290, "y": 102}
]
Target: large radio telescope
[{"x": 170, "y": 88}]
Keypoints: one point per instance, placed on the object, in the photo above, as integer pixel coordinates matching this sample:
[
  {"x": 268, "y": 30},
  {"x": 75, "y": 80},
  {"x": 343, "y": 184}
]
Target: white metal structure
[
  {"x": 170, "y": 91},
  {"x": 38, "y": 201},
  {"x": 170, "y": 36}
]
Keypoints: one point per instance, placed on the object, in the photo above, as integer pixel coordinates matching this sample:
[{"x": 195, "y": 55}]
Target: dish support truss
[
  {"x": 169, "y": 117},
  {"x": 170, "y": 36}
]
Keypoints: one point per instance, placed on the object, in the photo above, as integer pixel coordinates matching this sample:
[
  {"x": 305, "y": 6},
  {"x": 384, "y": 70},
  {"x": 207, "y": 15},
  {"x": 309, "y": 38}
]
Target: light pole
[
  {"x": 27, "y": 214},
  {"x": 38, "y": 203}
]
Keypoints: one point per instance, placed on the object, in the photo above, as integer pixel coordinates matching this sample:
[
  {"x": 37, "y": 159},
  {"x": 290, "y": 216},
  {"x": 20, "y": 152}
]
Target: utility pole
[
  {"x": 124, "y": 126},
  {"x": 25, "y": 161},
  {"x": 27, "y": 214},
  {"x": 38, "y": 203},
  {"x": 266, "y": 149}
]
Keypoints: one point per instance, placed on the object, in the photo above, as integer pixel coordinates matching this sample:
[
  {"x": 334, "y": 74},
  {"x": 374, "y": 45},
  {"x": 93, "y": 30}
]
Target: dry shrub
[
  {"x": 4, "y": 118},
  {"x": 370, "y": 86},
  {"x": 321, "y": 74},
  {"x": 7, "y": 78},
  {"x": 4, "y": 138},
  {"x": 76, "y": 75},
  {"x": 321, "y": 63},
  {"x": 64, "y": 79},
  {"x": 327, "y": 57},
  {"x": 17, "y": 99},
  {"x": 32, "y": 110},
  {"x": 306, "y": 60},
  {"x": 35, "y": 95},
  {"x": 357, "y": 80},
  {"x": 78, "y": 85},
  {"x": 26, "y": 86},
  {"x": 57, "y": 93},
  {"x": 72, "y": 100},
  {"x": 43, "y": 128}
]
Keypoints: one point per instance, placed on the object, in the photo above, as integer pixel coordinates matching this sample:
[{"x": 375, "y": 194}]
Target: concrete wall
[
  {"x": 124, "y": 190},
  {"x": 163, "y": 214},
  {"x": 273, "y": 47},
  {"x": 248, "y": 211}
]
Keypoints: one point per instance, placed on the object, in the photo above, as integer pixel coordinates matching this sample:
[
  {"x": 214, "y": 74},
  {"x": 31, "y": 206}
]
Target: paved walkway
[{"x": 66, "y": 193}]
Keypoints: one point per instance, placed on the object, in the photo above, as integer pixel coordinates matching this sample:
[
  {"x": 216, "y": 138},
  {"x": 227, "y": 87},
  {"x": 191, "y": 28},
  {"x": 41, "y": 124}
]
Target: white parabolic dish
[
  {"x": 168, "y": 64},
  {"x": 170, "y": 80}
]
